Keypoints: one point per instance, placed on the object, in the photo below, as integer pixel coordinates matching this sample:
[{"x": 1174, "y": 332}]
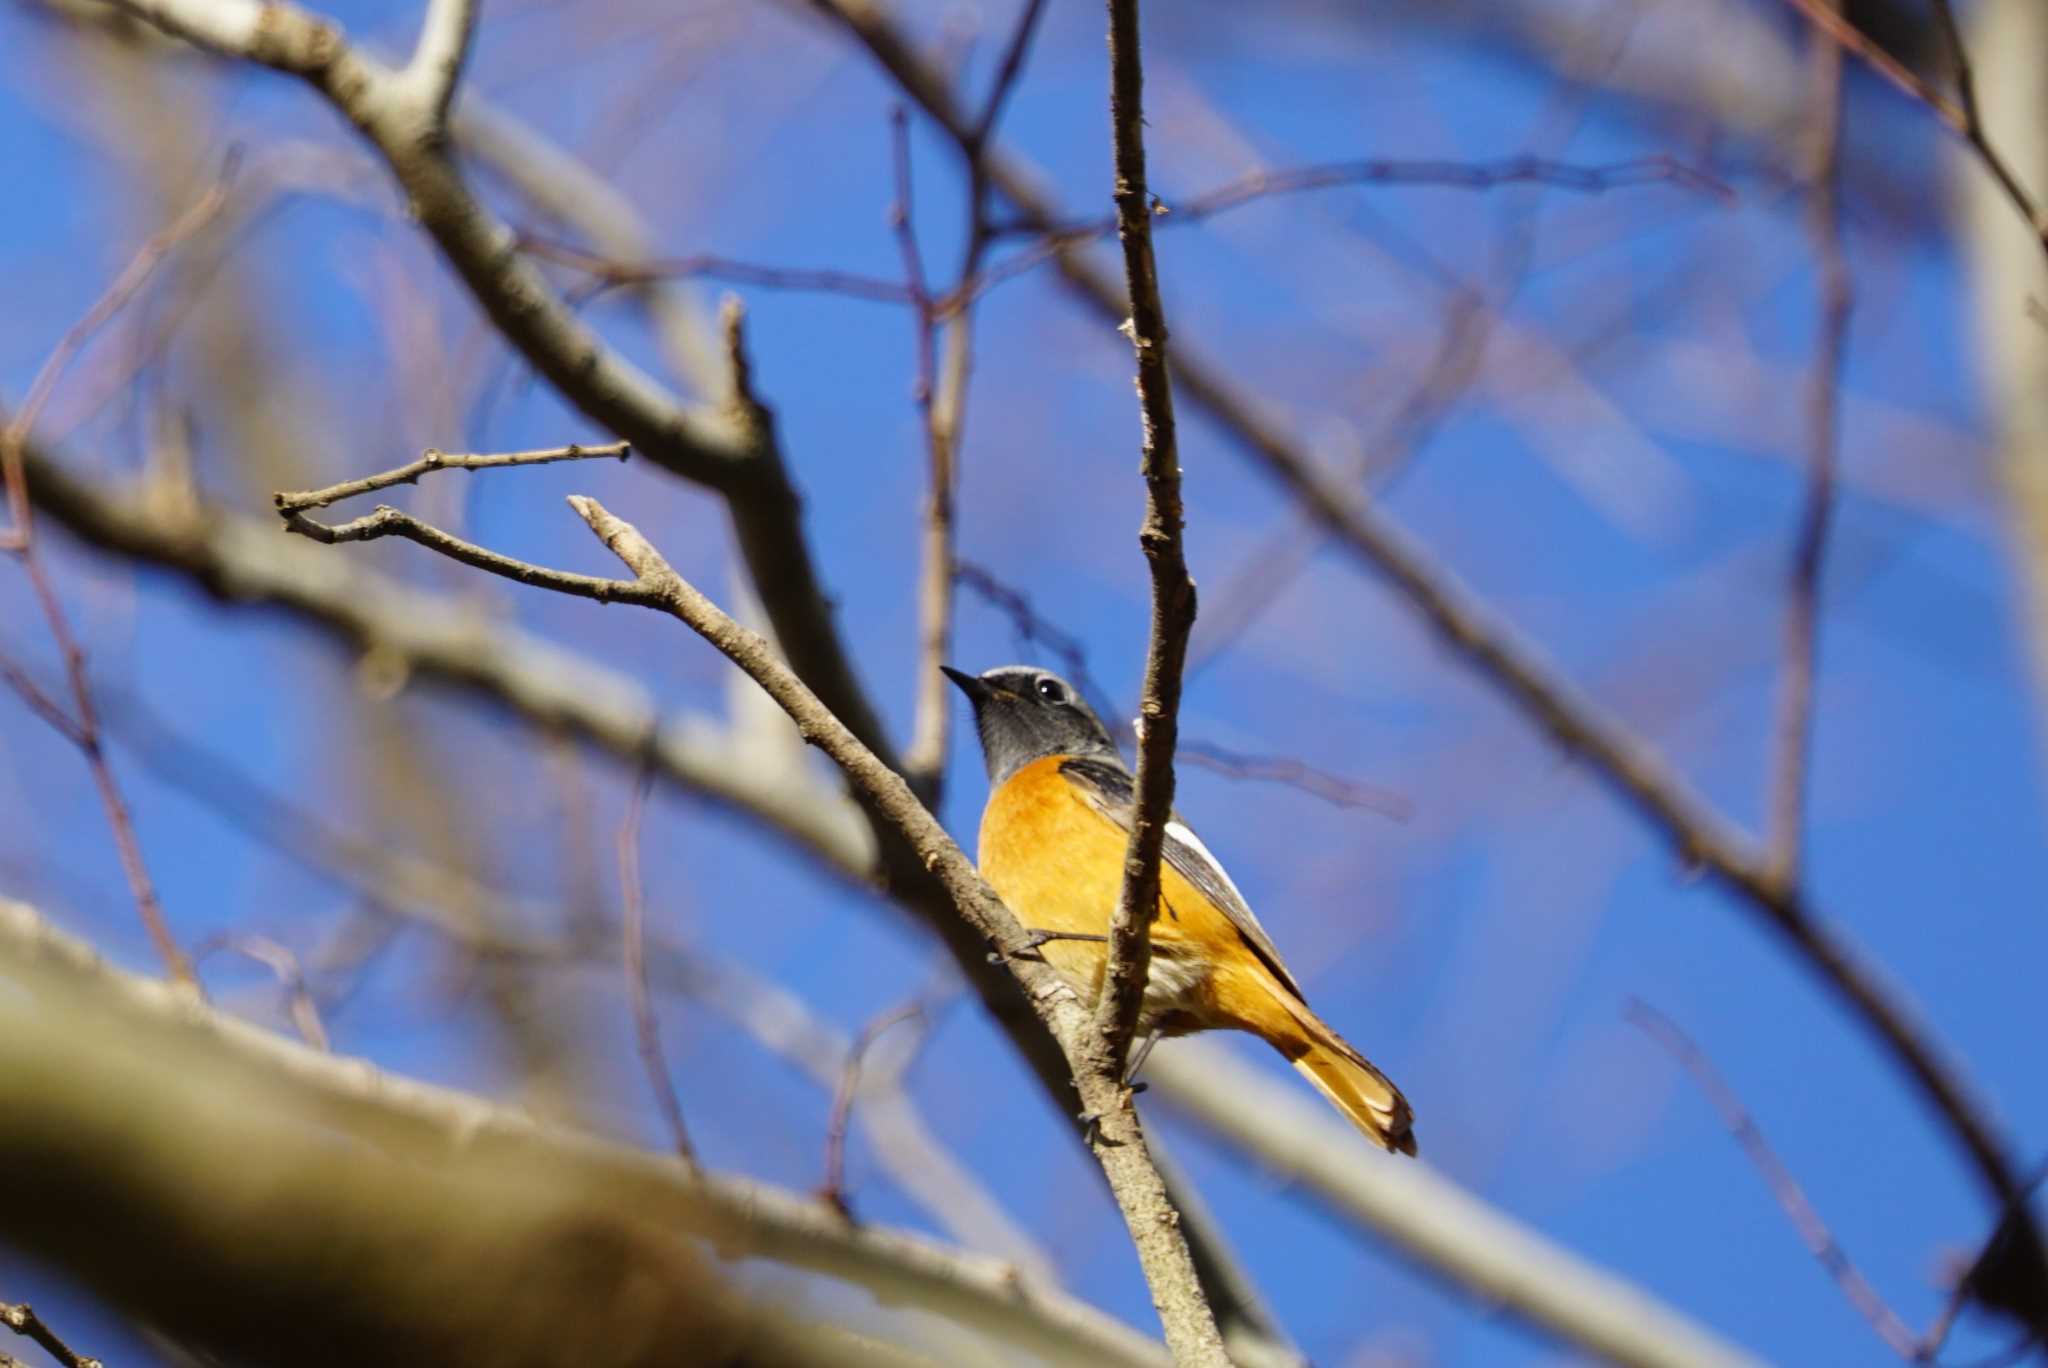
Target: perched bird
[{"x": 1053, "y": 837}]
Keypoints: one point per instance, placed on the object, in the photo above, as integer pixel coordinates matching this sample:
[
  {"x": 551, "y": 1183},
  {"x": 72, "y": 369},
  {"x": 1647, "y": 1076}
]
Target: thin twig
[
  {"x": 1792, "y": 768},
  {"x": 290, "y": 502},
  {"x": 924, "y": 759},
  {"x": 1785, "y": 1189},
  {"x": 81, "y": 724},
  {"x": 833, "y": 1188},
  {"x": 1961, "y": 118},
  {"x": 285, "y": 967},
  {"x": 633, "y": 936},
  {"x": 1054, "y": 238},
  {"x": 707, "y": 266},
  {"x": 1190, "y": 1322},
  {"x": 21, "y": 1318}
]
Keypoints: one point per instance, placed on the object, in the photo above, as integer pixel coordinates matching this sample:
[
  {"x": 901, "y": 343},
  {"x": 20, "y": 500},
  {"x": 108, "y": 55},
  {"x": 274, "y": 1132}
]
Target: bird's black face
[{"x": 1025, "y": 714}]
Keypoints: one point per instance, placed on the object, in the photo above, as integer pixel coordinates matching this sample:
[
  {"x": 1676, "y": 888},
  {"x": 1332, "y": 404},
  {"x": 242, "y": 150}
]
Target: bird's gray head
[{"x": 1025, "y": 714}]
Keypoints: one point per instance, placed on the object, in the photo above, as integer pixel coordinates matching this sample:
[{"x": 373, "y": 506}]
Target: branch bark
[
  {"x": 1160, "y": 537},
  {"x": 227, "y": 1165}
]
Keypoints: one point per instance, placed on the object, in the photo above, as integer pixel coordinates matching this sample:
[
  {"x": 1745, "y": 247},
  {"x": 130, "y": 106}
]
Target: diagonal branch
[
  {"x": 1791, "y": 1198},
  {"x": 1962, "y": 119}
]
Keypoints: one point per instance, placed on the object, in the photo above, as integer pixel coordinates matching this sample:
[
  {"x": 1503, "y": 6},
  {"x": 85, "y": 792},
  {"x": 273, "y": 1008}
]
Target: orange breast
[{"x": 1058, "y": 864}]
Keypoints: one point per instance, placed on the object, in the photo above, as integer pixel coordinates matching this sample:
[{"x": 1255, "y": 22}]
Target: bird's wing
[{"x": 1109, "y": 788}]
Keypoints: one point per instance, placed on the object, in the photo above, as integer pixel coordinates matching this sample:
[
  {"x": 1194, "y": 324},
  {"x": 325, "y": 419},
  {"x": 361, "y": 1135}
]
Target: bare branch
[
  {"x": 289, "y": 503},
  {"x": 81, "y": 724},
  {"x": 1820, "y": 1241},
  {"x": 633, "y": 937},
  {"x": 832, "y": 1188},
  {"x": 475, "y": 1225},
  {"x": 1173, "y": 592},
  {"x": 1794, "y": 760},
  {"x": 432, "y": 75},
  {"x": 1962, "y": 119},
  {"x": 22, "y": 1319},
  {"x": 429, "y": 636}
]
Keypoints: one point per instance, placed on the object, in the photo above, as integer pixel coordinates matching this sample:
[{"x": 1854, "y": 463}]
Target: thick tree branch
[
  {"x": 1173, "y": 592},
  {"x": 227, "y": 1165}
]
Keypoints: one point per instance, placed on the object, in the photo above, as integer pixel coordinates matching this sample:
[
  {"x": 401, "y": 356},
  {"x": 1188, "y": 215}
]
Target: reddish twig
[
  {"x": 81, "y": 724},
  {"x": 1791, "y": 1198},
  {"x": 633, "y": 936},
  {"x": 833, "y": 1188}
]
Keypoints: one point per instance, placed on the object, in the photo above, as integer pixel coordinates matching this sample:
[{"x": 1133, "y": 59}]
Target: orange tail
[{"x": 1343, "y": 1075}]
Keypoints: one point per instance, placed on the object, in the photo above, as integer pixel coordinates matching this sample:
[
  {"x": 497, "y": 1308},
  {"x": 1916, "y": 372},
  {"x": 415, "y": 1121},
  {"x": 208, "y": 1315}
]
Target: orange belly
[{"x": 1058, "y": 864}]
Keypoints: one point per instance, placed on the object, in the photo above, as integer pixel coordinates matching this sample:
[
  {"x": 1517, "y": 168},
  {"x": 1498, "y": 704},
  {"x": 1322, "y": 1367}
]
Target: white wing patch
[{"x": 1177, "y": 830}]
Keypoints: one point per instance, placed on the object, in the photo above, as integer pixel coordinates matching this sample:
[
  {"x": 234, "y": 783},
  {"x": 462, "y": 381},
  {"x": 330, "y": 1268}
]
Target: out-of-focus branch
[
  {"x": 1785, "y": 1189},
  {"x": 1793, "y": 763},
  {"x": 1431, "y": 1220},
  {"x": 429, "y": 636},
  {"x": 227, "y": 1164},
  {"x": 1622, "y": 760},
  {"x": 81, "y": 725},
  {"x": 1962, "y": 119},
  {"x": 832, "y": 1188},
  {"x": 1173, "y": 591},
  {"x": 633, "y": 938},
  {"x": 439, "y": 898},
  {"x": 22, "y": 1319},
  {"x": 435, "y": 70}
]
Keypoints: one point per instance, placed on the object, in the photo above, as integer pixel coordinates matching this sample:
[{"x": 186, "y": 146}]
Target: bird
[{"x": 1052, "y": 843}]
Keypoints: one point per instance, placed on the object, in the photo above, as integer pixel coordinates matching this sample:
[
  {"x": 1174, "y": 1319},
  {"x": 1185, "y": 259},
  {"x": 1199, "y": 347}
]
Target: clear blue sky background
[{"x": 1620, "y": 484}]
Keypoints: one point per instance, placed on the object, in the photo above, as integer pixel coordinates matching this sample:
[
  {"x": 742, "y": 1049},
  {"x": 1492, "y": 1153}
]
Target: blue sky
[{"x": 1620, "y": 482}]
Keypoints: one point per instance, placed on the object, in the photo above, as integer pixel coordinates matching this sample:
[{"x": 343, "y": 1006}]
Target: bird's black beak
[{"x": 975, "y": 690}]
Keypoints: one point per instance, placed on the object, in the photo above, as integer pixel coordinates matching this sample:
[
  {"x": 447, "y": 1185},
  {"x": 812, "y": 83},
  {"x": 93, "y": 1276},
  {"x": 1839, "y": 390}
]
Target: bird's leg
[
  {"x": 1138, "y": 1058},
  {"x": 1034, "y": 938}
]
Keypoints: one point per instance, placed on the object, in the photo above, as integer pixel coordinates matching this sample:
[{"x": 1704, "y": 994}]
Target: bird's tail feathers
[{"x": 1364, "y": 1094}]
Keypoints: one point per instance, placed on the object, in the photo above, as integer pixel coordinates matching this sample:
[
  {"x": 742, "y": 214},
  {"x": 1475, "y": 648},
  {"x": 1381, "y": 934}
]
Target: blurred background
[{"x": 1586, "y": 392}]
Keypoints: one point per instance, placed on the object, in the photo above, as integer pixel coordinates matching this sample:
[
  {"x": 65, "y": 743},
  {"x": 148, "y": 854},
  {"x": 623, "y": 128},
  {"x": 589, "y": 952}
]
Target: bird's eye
[{"x": 1051, "y": 692}]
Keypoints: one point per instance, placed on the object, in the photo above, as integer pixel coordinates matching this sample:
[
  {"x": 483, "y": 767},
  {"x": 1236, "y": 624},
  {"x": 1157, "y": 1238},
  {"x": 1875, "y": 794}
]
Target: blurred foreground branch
[{"x": 256, "y": 1196}]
